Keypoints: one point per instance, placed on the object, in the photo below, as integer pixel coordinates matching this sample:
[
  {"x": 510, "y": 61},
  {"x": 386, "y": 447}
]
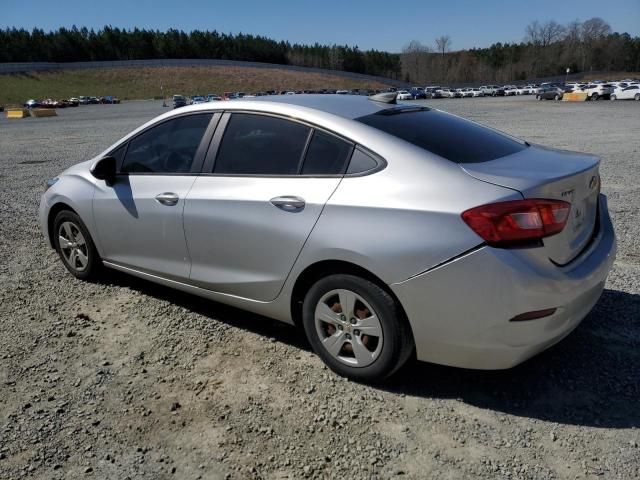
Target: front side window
[
  {"x": 326, "y": 155},
  {"x": 169, "y": 147},
  {"x": 261, "y": 145}
]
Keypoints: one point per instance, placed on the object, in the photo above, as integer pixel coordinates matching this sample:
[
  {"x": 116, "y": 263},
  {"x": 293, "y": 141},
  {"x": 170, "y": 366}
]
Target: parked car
[
  {"x": 51, "y": 103},
  {"x": 340, "y": 92},
  {"x": 446, "y": 92},
  {"x": 481, "y": 267},
  {"x": 31, "y": 104},
  {"x": 632, "y": 92},
  {"x": 212, "y": 97},
  {"x": 404, "y": 95},
  {"x": 94, "y": 100},
  {"x": 522, "y": 90},
  {"x": 550, "y": 92},
  {"x": 110, "y": 99},
  {"x": 489, "y": 90},
  {"x": 196, "y": 99},
  {"x": 84, "y": 100},
  {"x": 510, "y": 90},
  {"x": 417, "y": 93},
  {"x": 179, "y": 101},
  {"x": 477, "y": 92},
  {"x": 596, "y": 91}
]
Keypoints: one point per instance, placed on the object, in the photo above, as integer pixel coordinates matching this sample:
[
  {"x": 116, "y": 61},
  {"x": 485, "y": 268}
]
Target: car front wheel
[
  {"x": 74, "y": 246},
  {"x": 637, "y": 97},
  {"x": 356, "y": 328},
  {"x": 613, "y": 97}
]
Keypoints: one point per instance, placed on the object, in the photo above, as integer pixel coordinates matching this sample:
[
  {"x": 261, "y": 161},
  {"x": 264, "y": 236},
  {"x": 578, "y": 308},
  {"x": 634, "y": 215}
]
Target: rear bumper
[{"x": 460, "y": 311}]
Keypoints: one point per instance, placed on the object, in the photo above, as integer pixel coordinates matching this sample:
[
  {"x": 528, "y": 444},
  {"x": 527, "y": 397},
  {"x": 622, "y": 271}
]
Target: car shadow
[
  {"x": 232, "y": 316},
  {"x": 591, "y": 378}
]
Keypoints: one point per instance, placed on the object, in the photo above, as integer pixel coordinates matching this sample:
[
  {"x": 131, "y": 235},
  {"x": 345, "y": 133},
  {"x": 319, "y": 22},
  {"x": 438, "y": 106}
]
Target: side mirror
[{"x": 105, "y": 169}]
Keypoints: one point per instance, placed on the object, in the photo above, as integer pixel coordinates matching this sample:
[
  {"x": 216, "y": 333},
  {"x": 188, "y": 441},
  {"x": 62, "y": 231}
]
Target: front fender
[{"x": 75, "y": 191}]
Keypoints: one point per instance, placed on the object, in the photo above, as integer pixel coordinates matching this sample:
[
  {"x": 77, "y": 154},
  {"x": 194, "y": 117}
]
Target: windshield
[{"x": 446, "y": 135}]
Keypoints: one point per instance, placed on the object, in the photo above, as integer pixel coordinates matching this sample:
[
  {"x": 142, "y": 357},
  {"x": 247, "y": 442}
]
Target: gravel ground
[{"x": 125, "y": 379}]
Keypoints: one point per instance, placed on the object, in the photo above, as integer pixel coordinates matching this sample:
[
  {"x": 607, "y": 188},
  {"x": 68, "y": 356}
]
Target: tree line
[
  {"x": 109, "y": 43},
  {"x": 547, "y": 50}
]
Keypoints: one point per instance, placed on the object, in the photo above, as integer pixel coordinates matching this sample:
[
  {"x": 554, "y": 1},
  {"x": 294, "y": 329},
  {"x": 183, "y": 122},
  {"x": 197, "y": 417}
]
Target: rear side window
[
  {"x": 450, "y": 137},
  {"x": 166, "y": 148},
  {"x": 261, "y": 145},
  {"x": 361, "y": 162},
  {"x": 326, "y": 155}
]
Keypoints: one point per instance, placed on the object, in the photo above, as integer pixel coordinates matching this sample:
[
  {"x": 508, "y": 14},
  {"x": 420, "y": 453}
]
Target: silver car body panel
[
  {"x": 483, "y": 290},
  {"x": 539, "y": 172},
  {"x": 401, "y": 223},
  {"x": 240, "y": 243},
  {"x": 138, "y": 231}
]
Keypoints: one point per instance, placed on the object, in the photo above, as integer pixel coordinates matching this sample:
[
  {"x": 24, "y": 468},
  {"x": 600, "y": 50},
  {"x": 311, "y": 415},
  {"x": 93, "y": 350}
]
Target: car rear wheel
[
  {"x": 556, "y": 97},
  {"x": 594, "y": 97},
  {"x": 74, "y": 246},
  {"x": 613, "y": 97},
  {"x": 356, "y": 328}
]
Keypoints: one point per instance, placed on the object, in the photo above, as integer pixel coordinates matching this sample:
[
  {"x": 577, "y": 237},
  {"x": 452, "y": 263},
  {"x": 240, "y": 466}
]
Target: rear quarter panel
[{"x": 402, "y": 220}]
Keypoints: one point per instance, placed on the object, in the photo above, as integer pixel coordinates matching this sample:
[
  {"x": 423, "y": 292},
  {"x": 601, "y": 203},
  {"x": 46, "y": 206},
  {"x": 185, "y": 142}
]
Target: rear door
[
  {"x": 265, "y": 182},
  {"x": 139, "y": 217}
]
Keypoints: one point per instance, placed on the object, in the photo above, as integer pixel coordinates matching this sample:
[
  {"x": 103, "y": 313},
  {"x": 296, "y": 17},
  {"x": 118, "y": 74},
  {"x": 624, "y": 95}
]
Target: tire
[
  {"x": 637, "y": 97},
  {"x": 538, "y": 97},
  {"x": 85, "y": 263},
  {"x": 556, "y": 97},
  {"x": 594, "y": 97},
  {"x": 612, "y": 97},
  {"x": 361, "y": 357}
]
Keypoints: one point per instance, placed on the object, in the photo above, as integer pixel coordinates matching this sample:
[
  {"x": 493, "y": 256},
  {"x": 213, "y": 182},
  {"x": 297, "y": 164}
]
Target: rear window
[{"x": 450, "y": 137}]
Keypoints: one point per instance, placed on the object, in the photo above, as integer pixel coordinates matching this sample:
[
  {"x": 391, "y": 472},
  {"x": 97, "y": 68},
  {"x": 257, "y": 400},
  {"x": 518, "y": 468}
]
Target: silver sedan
[{"x": 383, "y": 230}]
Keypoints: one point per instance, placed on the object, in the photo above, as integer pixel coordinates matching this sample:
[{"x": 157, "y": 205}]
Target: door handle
[
  {"x": 288, "y": 203},
  {"x": 168, "y": 198}
]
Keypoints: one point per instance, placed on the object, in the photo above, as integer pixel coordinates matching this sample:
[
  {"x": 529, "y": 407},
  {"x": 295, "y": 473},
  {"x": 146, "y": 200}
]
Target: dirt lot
[{"x": 124, "y": 379}]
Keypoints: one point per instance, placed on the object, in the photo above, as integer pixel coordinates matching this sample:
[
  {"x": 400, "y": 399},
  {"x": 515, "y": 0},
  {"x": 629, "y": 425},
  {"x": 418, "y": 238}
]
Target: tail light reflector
[{"x": 519, "y": 221}]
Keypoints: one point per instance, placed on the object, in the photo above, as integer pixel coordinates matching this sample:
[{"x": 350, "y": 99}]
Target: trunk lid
[{"x": 540, "y": 172}]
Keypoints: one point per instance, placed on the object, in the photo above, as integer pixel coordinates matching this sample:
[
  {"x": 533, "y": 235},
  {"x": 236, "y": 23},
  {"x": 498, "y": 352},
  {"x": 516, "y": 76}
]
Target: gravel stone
[{"x": 85, "y": 364}]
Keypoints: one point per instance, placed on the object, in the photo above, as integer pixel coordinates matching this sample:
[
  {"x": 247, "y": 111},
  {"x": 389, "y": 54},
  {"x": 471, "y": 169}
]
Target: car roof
[{"x": 346, "y": 106}]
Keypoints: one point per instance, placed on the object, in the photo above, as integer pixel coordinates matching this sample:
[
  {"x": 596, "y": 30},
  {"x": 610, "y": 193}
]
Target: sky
[{"x": 379, "y": 24}]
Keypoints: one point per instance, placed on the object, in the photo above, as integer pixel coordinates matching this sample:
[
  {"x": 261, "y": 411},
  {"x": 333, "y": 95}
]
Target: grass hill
[{"x": 144, "y": 83}]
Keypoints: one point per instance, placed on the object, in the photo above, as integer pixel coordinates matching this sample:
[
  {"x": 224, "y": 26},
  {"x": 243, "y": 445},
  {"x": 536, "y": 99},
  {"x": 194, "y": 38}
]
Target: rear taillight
[{"x": 517, "y": 222}]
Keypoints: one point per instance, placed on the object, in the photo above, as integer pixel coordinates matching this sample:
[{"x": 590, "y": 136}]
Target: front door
[{"x": 139, "y": 217}]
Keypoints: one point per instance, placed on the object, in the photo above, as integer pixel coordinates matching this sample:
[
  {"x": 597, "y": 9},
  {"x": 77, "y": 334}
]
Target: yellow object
[
  {"x": 574, "y": 97},
  {"x": 43, "y": 112},
  {"x": 17, "y": 113}
]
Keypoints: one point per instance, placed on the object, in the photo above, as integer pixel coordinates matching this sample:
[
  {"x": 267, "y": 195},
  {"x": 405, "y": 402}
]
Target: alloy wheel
[
  {"x": 348, "y": 328},
  {"x": 73, "y": 246}
]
